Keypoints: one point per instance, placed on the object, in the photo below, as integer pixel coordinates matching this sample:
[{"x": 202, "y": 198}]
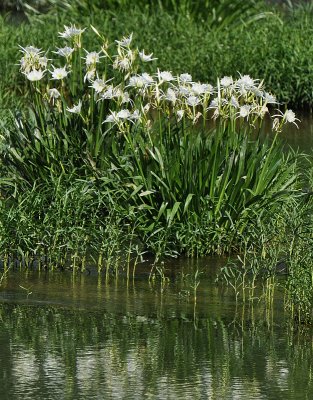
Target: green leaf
[
  {"x": 187, "y": 202},
  {"x": 172, "y": 213}
]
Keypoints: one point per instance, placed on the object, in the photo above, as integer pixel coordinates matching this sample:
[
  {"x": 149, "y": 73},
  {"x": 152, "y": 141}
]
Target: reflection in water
[{"x": 144, "y": 342}]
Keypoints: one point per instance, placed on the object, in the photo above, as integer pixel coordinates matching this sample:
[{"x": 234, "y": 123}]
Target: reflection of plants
[
  {"x": 233, "y": 277},
  {"x": 195, "y": 283},
  {"x": 158, "y": 347},
  {"x": 157, "y": 274},
  {"x": 299, "y": 285},
  {"x": 27, "y": 290},
  {"x": 189, "y": 284}
]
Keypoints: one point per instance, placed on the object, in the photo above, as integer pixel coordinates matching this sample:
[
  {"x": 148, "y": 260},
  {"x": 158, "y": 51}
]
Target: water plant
[{"x": 110, "y": 157}]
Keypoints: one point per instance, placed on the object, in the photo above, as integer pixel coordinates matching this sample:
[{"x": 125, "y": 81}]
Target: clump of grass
[{"x": 67, "y": 223}]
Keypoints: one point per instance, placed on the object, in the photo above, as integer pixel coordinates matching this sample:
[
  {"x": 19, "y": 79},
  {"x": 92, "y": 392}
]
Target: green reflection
[{"x": 52, "y": 352}]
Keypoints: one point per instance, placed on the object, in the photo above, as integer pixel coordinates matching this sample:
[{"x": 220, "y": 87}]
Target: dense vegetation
[{"x": 109, "y": 154}]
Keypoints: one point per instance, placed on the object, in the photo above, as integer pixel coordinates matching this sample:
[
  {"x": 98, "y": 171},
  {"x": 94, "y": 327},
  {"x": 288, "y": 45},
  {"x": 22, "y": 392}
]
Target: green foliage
[
  {"x": 179, "y": 186},
  {"x": 67, "y": 223},
  {"x": 278, "y": 254}
]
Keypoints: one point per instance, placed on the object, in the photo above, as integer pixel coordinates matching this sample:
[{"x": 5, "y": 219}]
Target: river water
[{"x": 65, "y": 336}]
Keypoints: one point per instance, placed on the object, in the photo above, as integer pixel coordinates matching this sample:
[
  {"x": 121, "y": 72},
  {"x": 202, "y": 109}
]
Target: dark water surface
[{"x": 80, "y": 337}]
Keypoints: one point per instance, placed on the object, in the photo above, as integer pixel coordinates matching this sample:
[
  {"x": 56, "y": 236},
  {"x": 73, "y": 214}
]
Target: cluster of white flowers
[
  {"x": 92, "y": 59},
  {"x": 178, "y": 96},
  {"x": 33, "y": 63}
]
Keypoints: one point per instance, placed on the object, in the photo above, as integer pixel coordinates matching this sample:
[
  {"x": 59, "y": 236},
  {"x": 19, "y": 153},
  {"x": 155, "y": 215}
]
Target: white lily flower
[
  {"x": 54, "y": 93},
  {"x": 245, "y": 82},
  {"x": 146, "y": 57},
  {"x": 193, "y": 101},
  {"x": 148, "y": 78},
  {"x": 92, "y": 57},
  {"x": 98, "y": 85},
  {"x": 76, "y": 109},
  {"x": 135, "y": 116},
  {"x": 59, "y": 73},
  {"x": 244, "y": 111},
  {"x": 184, "y": 90},
  {"x": 234, "y": 102},
  {"x": 170, "y": 96},
  {"x": 180, "y": 114},
  {"x": 32, "y": 59},
  {"x": 90, "y": 75},
  {"x": 35, "y": 75},
  {"x": 109, "y": 93},
  {"x": 125, "y": 41},
  {"x": 122, "y": 63},
  {"x": 226, "y": 81},
  {"x": 31, "y": 50},
  {"x": 123, "y": 114},
  {"x": 291, "y": 117},
  {"x": 201, "y": 88},
  {"x": 71, "y": 31},
  {"x": 269, "y": 98},
  {"x": 137, "y": 81},
  {"x": 165, "y": 76},
  {"x": 125, "y": 98},
  {"x": 214, "y": 103},
  {"x": 288, "y": 116},
  {"x": 118, "y": 93},
  {"x": 43, "y": 62},
  {"x": 26, "y": 66},
  {"x": 64, "y": 51},
  {"x": 185, "y": 78},
  {"x": 112, "y": 118}
]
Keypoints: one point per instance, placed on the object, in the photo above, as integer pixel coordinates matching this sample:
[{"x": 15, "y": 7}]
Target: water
[{"x": 78, "y": 337}]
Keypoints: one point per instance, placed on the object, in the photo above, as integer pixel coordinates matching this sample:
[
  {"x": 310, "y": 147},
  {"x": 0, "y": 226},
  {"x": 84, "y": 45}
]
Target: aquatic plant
[
  {"x": 278, "y": 258},
  {"x": 116, "y": 156},
  {"x": 137, "y": 147}
]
